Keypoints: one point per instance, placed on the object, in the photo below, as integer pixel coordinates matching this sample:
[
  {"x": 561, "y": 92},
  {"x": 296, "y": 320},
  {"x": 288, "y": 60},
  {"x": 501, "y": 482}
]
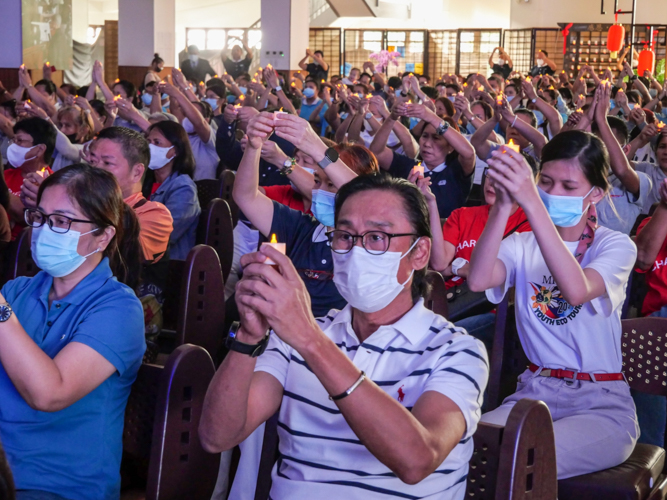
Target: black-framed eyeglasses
[
  {"x": 374, "y": 242},
  {"x": 58, "y": 223}
]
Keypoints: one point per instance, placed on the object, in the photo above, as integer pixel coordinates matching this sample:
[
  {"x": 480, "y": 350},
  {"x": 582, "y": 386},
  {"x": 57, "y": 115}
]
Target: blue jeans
[
  {"x": 652, "y": 410},
  {"x": 482, "y": 327}
]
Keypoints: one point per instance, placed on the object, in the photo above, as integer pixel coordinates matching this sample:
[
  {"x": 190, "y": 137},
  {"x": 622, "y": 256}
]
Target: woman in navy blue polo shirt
[{"x": 71, "y": 340}]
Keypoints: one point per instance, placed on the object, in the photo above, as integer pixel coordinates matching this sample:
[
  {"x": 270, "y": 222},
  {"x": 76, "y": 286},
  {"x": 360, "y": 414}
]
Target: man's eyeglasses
[
  {"x": 57, "y": 223},
  {"x": 374, "y": 242}
]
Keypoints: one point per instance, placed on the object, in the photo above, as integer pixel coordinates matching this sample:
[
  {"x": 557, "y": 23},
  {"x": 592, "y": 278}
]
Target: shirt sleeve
[
  {"x": 508, "y": 255},
  {"x": 288, "y": 224},
  {"x": 275, "y": 360},
  {"x": 461, "y": 374},
  {"x": 115, "y": 329},
  {"x": 451, "y": 232},
  {"x": 645, "y": 186},
  {"x": 614, "y": 259},
  {"x": 156, "y": 227}
]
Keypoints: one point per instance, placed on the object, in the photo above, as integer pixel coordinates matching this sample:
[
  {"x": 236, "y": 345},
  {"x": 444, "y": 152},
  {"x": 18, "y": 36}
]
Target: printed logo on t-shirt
[
  {"x": 466, "y": 244},
  {"x": 548, "y": 304},
  {"x": 658, "y": 264}
]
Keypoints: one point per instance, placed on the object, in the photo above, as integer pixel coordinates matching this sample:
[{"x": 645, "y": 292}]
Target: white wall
[
  {"x": 80, "y": 21},
  {"x": 102, "y": 10},
  {"x": 547, "y": 13},
  {"x": 11, "y": 43}
]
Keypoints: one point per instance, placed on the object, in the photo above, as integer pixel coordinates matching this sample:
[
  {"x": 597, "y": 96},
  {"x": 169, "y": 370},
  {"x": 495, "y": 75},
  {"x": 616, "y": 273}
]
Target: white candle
[{"x": 281, "y": 247}]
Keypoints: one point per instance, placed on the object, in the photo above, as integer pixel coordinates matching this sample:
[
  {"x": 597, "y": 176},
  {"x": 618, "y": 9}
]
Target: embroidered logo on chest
[
  {"x": 401, "y": 394},
  {"x": 442, "y": 182}
]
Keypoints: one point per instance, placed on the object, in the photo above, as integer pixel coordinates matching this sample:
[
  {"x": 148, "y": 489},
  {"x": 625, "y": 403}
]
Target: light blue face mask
[
  {"x": 509, "y": 97},
  {"x": 55, "y": 253},
  {"x": 631, "y": 105},
  {"x": 308, "y": 92},
  {"x": 452, "y": 98},
  {"x": 612, "y": 104},
  {"x": 212, "y": 102},
  {"x": 539, "y": 116},
  {"x": 244, "y": 90},
  {"x": 344, "y": 115},
  {"x": 323, "y": 207},
  {"x": 565, "y": 211},
  {"x": 147, "y": 99},
  {"x": 231, "y": 98}
]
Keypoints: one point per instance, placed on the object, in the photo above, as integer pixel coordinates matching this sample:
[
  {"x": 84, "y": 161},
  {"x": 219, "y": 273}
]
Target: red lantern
[
  {"x": 615, "y": 39},
  {"x": 646, "y": 61}
]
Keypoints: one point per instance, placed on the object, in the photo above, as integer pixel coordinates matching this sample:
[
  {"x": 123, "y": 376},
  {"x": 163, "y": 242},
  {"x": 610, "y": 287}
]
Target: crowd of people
[{"x": 552, "y": 186}]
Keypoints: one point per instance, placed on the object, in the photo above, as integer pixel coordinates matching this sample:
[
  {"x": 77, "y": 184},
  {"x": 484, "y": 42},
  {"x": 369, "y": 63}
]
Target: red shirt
[
  {"x": 156, "y": 186},
  {"x": 464, "y": 227},
  {"x": 656, "y": 279},
  {"x": 285, "y": 195},
  {"x": 14, "y": 180}
]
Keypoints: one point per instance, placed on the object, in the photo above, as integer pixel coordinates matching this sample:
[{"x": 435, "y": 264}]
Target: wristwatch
[
  {"x": 458, "y": 263},
  {"x": 5, "y": 312},
  {"x": 368, "y": 115},
  {"x": 252, "y": 350},
  {"x": 442, "y": 128},
  {"x": 278, "y": 88},
  {"x": 330, "y": 156},
  {"x": 288, "y": 166},
  {"x": 533, "y": 100}
]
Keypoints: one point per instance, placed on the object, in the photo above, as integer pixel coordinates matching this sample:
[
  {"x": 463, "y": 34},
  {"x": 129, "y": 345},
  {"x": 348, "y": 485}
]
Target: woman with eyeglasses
[{"x": 71, "y": 340}]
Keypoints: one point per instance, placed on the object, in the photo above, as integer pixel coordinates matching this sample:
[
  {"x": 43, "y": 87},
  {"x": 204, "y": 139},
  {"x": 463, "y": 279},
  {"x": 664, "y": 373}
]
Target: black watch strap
[{"x": 252, "y": 350}]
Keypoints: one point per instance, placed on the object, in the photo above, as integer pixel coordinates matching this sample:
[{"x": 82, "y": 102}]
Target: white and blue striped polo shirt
[{"x": 320, "y": 456}]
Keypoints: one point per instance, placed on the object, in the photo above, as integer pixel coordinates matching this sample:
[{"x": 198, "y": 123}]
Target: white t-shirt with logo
[{"x": 553, "y": 333}]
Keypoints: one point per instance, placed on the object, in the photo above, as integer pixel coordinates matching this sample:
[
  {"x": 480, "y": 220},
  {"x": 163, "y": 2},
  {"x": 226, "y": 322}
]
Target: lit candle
[
  {"x": 277, "y": 113},
  {"x": 513, "y": 146},
  {"x": 117, "y": 80},
  {"x": 201, "y": 83},
  {"x": 529, "y": 79},
  {"x": 323, "y": 81},
  {"x": 42, "y": 173},
  {"x": 274, "y": 244},
  {"x": 48, "y": 63},
  {"x": 499, "y": 100},
  {"x": 215, "y": 76},
  {"x": 369, "y": 96},
  {"x": 418, "y": 168},
  {"x": 660, "y": 125},
  {"x": 480, "y": 88}
]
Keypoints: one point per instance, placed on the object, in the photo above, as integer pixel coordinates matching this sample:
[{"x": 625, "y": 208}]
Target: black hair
[
  {"x": 157, "y": 59},
  {"x": 82, "y": 91},
  {"x": 355, "y": 69},
  {"x": 661, "y": 138},
  {"x": 192, "y": 48},
  {"x": 528, "y": 113},
  {"x": 545, "y": 52},
  {"x": 129, "y": 89},
  {"x": 414, "y": 205},
  {"x": 99, "y": 108},
  {"x": 634, "y": 96},
  {"x": 133, "y": 144},
  {"x": 317, "y": 84},
  {"x": 184, "y": 161},
  {"x": 488, "y": 110},
  {"x": 428, "y": 78},
  {"x": 565, "y": 93},
  {"x": 516, "y": 89},
  {"x": 98, "y": 194},
  {"x": 319, "y": 52},
  {"x": 395, "y": 82},
  {"x": 587, "y": 148},
  {"x": 41, "y": 131},
  {"x": 552, "y": 93},
  {"x": 70, "y": 89},
  {"x": 439, "y": 84},
  {"x": 430, "y": 92},
  {"x": 214, "y": 82},
  {"x": 366, "y": 74},
  {"x": 49, "y": 86},
  {"x": 218, "y": 90},
  {"x": 205, "y": 109},
  {"x": 615, "y": 123},
  {"x": 453, "y": 86},
  {"x": 11, "y": 106}
]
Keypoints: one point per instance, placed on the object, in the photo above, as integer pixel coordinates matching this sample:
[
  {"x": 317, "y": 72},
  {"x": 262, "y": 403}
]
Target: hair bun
[{"x": 156, "y": 55}]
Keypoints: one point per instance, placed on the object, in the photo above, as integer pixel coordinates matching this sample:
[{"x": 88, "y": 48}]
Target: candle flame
[
  {"x": 293, "y": 84},
  {"x": 201, "y": 83},
  {"x": 513, "y": 146},
  {"x": 241, "y": 97},
  {"x": 214, "y": 76},
  {"x": 465, "y": 84},
  {"x": 480, "y": 88},
  {"x": 274, "y": 239},
  {"x": 368, "y": 96},
  {"x": 48, "y": 63},
  {"x": 323, "y": 81},
  {"x": 43, "y": 170},
  {"x": 281, "y": 110},
  {"x": 117, "y": 80}
]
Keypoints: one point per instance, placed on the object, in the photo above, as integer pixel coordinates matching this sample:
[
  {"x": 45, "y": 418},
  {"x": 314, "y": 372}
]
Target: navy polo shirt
[
  {"x": 230, "y": 153},
  {"x": 235, "y": 68},
  {"x": 450, "y": 186},
  {"x": 504, "y": 70},
  {"x": 74, "y": 452},
  {"x": 308, "y": 248}
]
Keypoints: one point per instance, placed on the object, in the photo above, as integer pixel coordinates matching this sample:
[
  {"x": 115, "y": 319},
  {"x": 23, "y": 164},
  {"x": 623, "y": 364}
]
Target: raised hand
[{"x": 259, "y": 129}]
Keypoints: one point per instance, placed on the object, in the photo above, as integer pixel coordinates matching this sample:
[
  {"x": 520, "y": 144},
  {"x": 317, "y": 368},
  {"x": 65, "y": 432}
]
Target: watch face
[{"x": 5, "y": 313}]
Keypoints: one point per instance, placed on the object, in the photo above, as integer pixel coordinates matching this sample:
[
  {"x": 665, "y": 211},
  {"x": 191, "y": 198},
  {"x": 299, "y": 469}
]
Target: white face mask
[
  {"x": 540, "y": 62},
  {"x": 369, "y": 282},
  {"x": 158, "y": 156},
  {"x": 188, "y": 126},
  {"x": 16, "y": 155}
]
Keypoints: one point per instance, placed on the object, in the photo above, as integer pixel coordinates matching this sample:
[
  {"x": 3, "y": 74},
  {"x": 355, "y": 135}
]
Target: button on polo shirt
[
  {"x": 320, "y": 455},
  {"x": 449, "y": 184},
  {"x": 74, "y": 452}
]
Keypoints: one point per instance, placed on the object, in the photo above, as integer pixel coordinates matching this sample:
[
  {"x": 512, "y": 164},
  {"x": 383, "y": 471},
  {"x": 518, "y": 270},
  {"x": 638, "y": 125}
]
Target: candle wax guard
[{"x": 281, "y": 247}]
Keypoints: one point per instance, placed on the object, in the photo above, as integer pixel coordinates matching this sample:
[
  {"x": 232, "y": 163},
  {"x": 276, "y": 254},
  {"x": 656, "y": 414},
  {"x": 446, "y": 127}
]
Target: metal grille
[
  {"x": 551, "y": 40},
  {"x": 519, "y": 45},
  {"x": 412, "y": 47},
  {"x": 441, "y": 53},
  {"x": 328, "y": 41},
  {"x": 359, "y": 44},
  {"x": 642, "y": 35},
  {"x": 474, "y": 49}
]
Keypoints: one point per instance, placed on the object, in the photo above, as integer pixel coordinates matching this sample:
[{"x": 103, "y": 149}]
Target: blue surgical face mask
[
  {"x": 308, "y": 92},
  {"x": 212, "y": 102},
  {"x": 631, "y": 105},
  {"x": 147, "y": 99},
  {"x": 612, "y": 104},
  {"x": 565, "y": 211},
  {"x": 322, "y": 206},
  {"x": 539, "y": 116},
  {"x": 452, "y": 98},
  {"x": 509, "y": 97},
  {"x": 231, "y": 98},
  {"x": 55, "y": 253},
  {"x": 244, "y": 90}
]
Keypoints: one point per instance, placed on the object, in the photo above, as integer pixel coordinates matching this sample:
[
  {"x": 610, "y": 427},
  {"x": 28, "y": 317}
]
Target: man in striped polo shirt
[{"x": 377, "y": 401}]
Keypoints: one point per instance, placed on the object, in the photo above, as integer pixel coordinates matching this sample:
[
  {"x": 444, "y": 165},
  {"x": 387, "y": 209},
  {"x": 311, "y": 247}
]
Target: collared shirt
[
  {"x": 308, "y": 248},
  {"x": 235, "y": 68},
  {"x": 320, "y": 455},
  {"x": 155, "y": 224},
  {"x": 449, "y": 184},
  {"x": 74, "y": 452},
  {"x": 179, "y": 194}
]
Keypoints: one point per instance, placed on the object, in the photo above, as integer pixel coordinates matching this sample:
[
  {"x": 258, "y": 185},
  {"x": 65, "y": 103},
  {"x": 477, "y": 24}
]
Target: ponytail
[{"x": 126, "y": 257}]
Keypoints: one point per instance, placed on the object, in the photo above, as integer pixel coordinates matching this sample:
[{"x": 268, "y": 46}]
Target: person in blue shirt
[
  {"x": 71, "y": 340},
  {"x": 170, "y": 182},
  {"x": 313, "y": 108},
  {"x": 304, "y": 235}
]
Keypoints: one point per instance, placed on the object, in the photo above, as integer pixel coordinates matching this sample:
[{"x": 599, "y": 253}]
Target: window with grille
[
  {"x": 218, "y": 39},
  {"x": 475, "y": 47},
  {"x": 441, "y": 53},
  {"x": 518, "y": 44},
  {"x": 328, "y": 41}
]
